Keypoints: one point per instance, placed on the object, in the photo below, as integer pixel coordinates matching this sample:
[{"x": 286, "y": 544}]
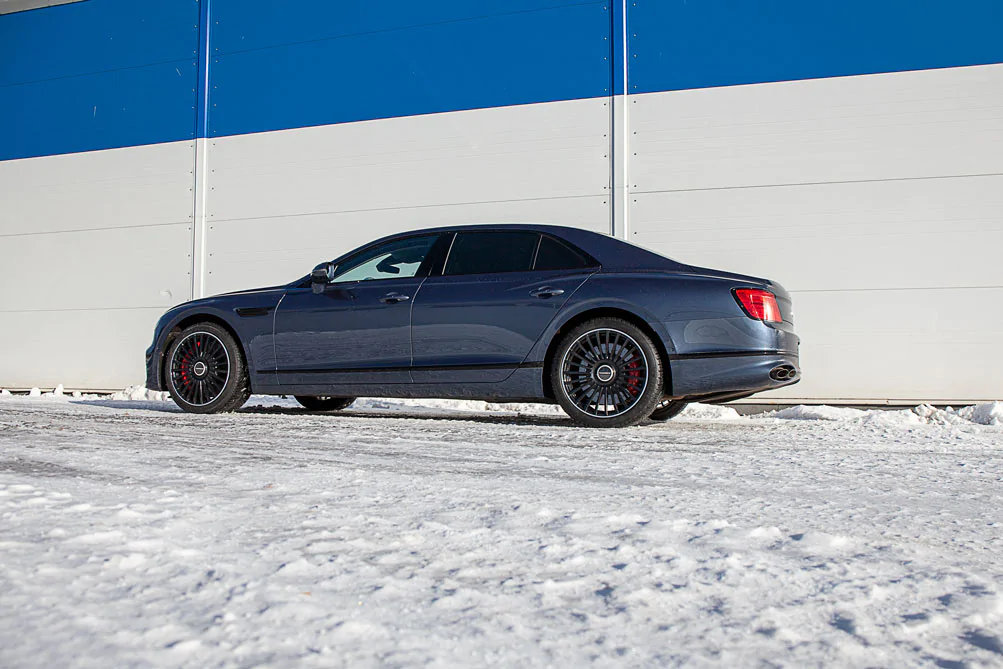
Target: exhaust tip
[{"x": 783, "y": 373}]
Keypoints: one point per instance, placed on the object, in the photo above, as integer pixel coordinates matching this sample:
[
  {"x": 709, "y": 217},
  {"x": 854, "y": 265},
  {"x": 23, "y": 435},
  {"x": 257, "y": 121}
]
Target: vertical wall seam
[
  {"x": 611, "y": 128},
  {"x": 201, "y": 157},
  {"x": 625, "y": 139}
]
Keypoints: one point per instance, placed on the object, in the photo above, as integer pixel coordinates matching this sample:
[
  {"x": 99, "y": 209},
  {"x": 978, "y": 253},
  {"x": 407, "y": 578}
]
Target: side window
[
  {"x": 493, "y": 251},
  {"x": 399, "y": 259},
  {"x": 555, "y": 255}
]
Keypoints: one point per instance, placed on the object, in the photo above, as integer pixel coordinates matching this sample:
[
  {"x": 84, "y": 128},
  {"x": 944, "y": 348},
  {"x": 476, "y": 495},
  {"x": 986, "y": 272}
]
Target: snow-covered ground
[{"x": 454, "y": 535}]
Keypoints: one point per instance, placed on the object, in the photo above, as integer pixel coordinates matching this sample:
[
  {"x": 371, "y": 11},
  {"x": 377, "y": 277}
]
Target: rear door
[{"x": 498, "y": 291}]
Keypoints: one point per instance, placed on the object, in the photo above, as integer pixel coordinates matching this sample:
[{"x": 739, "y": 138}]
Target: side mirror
[{"x": 321, "y": 276}]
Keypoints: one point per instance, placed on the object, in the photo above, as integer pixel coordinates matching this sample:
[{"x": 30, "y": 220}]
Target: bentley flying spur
[{"x": 612, "y": 332}]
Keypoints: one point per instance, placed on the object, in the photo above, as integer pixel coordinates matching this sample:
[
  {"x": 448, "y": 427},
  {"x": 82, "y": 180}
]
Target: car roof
[{"x": 612, "y": 253}]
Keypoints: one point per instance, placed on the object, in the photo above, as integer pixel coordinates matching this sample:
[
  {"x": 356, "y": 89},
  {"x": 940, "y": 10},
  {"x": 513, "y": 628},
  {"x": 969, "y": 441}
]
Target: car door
[
  {"x": 479, "y": 319},
  {"x": 358, "y": 328}
]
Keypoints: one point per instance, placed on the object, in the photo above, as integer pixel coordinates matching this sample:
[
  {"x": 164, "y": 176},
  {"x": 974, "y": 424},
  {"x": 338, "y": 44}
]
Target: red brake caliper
[{"x": 634, "y": 376}]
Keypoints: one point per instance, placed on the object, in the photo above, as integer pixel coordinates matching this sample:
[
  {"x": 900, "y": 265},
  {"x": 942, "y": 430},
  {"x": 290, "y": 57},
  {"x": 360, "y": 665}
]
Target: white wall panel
[
  {"x": 281, "y": 202},
  {"x": 93, "y": 248},
  {"x": 136, "y": 186},
  {"x": 99, "y": 349},
  {"x": 271, "y": 251},
  {"x": 876, "y": 200},
  {"x": 97, "y": 269},
  {"x": 912, "y": 346},
  {"x": 552, "y": 150},
  {"x": 883, "y": 126},
  {"x": 927, "y": 233}
]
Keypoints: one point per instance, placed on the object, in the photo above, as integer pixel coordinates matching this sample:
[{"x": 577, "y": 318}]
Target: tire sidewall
[
  {"x": 653, "y": 390},
  {"x": 236, "y": 385},
  {"x": 324, "y": 403},
  {"x": 671, "y": 411}
]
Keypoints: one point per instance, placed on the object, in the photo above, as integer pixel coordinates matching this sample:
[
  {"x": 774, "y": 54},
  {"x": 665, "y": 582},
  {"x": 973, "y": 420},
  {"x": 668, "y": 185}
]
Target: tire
[
  {"x": 599, "y": 347},
  {"x": 205, "y": 371},
  {"x": 668, "y": 409},
  {"x": 324, "y": 403}
]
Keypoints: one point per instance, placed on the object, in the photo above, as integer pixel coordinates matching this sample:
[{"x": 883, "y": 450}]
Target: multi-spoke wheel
[
  {"x": 322, "y": 403},
  {"x": 668, "y": 409},
  {"x": 607, "y": 373},
  {"x": 205, "y": 370}
]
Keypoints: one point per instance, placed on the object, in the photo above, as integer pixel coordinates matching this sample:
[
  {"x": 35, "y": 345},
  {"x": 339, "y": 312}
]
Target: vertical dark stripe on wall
[{"x": 204, "y": 60}]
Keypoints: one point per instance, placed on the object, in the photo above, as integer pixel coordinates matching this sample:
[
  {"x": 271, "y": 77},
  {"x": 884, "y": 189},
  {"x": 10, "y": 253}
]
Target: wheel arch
[
  {"x": 604, "y": 312},
  {"x": 192, "y": 319}
]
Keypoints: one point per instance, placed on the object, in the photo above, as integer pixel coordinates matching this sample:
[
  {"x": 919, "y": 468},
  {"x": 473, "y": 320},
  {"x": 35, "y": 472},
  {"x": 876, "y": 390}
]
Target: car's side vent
[{"x": 248, "y": 312}]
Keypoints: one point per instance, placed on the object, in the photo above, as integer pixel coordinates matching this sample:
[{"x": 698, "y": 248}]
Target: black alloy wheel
[
  {"x": 205, "y": 370},
  {"x": 323, "y": 403},
  {"x": 668, "y": 409},
  {"x": 607, "y": 373}
]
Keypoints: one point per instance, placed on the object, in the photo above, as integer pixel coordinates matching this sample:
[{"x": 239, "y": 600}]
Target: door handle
[
  {"x": 545, "y": 292},
  {"x": 394, "y": 298}
]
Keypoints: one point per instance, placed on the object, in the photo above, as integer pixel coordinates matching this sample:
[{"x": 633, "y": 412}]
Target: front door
[{"x": 358, "y": 330}]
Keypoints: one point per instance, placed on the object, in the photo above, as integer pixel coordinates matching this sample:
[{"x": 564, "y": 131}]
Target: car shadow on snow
[
  {"x": 458, "y": 416},
  {"x": 136, "y": 405},
  {"x": 499, "y": 418}
]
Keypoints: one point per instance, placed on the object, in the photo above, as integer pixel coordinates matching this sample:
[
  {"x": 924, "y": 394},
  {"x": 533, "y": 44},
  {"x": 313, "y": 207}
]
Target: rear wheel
[
  {"x": 607, "y": 373},
  {"x": 323, "y": 403},
  {"x": 205, "y": 370},
  {"x": 668, "y": 409}
]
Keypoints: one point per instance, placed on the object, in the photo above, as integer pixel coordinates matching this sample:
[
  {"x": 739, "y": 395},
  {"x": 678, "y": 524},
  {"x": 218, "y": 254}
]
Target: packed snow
[{"x": 444, "y": 534}]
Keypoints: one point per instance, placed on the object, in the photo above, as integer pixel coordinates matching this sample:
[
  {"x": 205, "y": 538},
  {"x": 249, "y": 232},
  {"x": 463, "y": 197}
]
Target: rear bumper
[{"x": 700, "y": 374}]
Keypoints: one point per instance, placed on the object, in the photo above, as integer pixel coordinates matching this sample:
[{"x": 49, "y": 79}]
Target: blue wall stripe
[
  {"x": 97, "y": 75},
  {"x": 686, "y": 44},
  {"x": 400, "y": 59},
  {"x": 111, "y": 73}
]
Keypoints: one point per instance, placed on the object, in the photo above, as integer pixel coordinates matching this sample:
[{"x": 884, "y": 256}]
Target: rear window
[
  {"x": 555, "y": 255},
  {"x": 491, "y": 252}
]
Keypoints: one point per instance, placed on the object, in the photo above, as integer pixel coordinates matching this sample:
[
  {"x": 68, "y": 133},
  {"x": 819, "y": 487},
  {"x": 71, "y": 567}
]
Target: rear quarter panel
[{"x": 691, "y": 314}]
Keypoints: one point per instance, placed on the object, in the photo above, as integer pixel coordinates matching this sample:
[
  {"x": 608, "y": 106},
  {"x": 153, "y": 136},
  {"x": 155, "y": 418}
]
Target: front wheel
[
  {"x": 205, "y": 370},
  {"x": 607, "y": 373},
  {"x": 324, "y": 403},
  {"x": 668, "y": 409}
]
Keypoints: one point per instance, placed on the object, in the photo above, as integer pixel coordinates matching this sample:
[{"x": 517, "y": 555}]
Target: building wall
[
  {"x": 151, "y": 152},
  {"x": 851, "y": 150},
  {"x": 97, "y": 153}
]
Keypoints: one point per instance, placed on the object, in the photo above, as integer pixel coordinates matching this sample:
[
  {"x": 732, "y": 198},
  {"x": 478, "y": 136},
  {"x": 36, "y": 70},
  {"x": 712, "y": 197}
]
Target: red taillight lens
[{"x": 759, "y": 304}]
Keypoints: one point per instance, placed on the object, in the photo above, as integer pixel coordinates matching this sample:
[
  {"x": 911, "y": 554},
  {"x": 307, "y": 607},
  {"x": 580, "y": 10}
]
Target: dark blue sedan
[{"x": 613, "y": 333}]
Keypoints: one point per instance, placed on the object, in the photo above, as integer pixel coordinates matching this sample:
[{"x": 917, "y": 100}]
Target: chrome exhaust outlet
[{"x": 783, "y": 373}]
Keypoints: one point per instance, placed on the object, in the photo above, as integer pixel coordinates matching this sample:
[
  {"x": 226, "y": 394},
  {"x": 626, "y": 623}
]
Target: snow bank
[
  {"x": 989, "y": 413},
  {"x": 708, "y": 412},
  {"x": 140, "y": 394}
]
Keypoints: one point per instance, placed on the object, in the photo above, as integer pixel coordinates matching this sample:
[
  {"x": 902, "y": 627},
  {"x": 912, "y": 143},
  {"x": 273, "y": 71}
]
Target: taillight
[{"x": 759, "y": 304}]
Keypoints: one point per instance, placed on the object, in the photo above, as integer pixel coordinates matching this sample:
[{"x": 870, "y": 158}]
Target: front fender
[{"x": 249, "y": 317}]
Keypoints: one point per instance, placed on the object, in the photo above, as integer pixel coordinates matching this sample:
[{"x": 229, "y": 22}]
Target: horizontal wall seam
[
  {"x": 893, "y": 289},
  {"x": 79, "y": 230},
  {"x": 816, "y": 183},
  {"x": 410, "y": 207},
  {"x": 44, "y": 311},
  {"x": 187, "y": 61}
]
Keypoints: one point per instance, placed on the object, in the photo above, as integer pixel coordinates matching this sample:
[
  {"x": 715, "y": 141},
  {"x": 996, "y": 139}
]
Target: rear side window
[
  {"x": 490, "y": 252},
  {"x": 555, "y": 255}
]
